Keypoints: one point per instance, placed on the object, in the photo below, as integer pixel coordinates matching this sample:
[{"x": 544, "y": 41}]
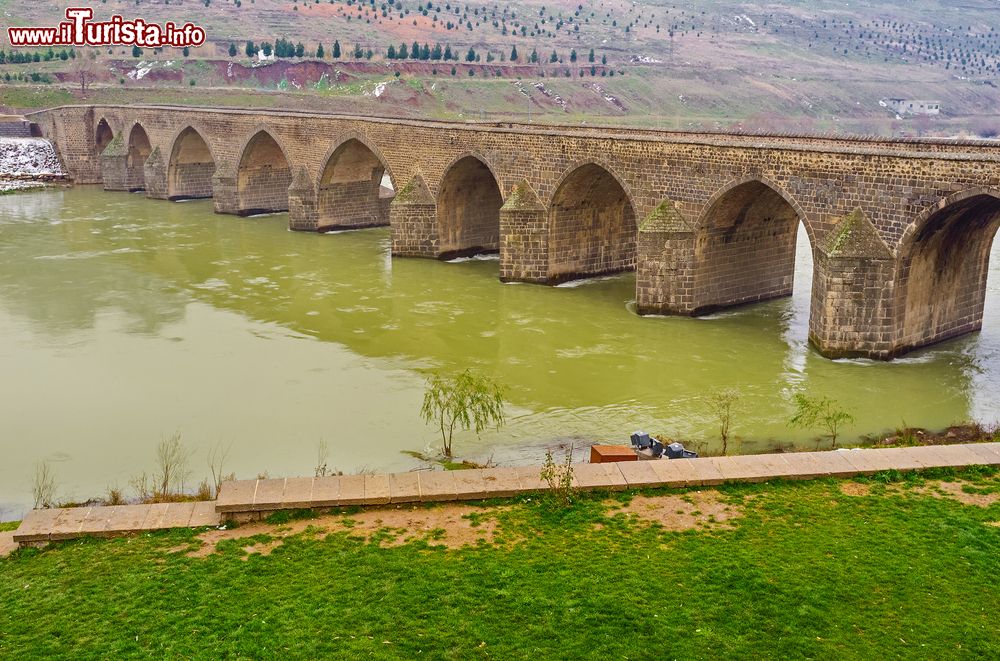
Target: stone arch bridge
[{"x": 900, "y": 231}]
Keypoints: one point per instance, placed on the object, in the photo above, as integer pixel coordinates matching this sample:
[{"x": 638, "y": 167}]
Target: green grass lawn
[{"x": 807, "y": 571}]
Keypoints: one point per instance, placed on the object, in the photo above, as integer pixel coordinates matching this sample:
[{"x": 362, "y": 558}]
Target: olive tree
[{"x": 465, "y": 401}]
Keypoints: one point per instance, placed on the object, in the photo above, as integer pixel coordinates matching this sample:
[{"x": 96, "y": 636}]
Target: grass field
[{"x": 904, "y": 569}]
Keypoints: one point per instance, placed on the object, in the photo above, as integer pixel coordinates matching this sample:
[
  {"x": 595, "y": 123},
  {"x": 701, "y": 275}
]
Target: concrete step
[
  {"x": 71, "y": 522},
  {"x": 250, "y": 499}
]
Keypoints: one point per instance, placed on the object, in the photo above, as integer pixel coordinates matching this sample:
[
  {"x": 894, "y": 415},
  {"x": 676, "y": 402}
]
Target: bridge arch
[
  {"x": 468, "y": 208},
  {"x": 745, "y": 243},
  {"x": 591, "y": 224},
  {"x": 139, "y": 149},
  {"x": 355, "y": 186},
  {"x": 263, "y": 175},
  {"x": 103, "y": 135},
  {"x": 191, "y": 166},
  {"x": 942, "y": 267}
]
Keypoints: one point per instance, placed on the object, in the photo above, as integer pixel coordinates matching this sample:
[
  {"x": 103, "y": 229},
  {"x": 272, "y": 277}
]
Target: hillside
[{"x": 797, "y": 66}]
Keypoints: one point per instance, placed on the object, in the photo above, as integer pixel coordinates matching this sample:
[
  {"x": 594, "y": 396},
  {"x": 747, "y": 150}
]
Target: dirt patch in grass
[
  {"x": 963, "y": 492},
  {"x": 261, "y": 548},
  {"x": 452, "y": 526},
  {"x": 855, "y": 489},
  {"x": 7, "y": 543},
  {"x": 689, "y": 511}
]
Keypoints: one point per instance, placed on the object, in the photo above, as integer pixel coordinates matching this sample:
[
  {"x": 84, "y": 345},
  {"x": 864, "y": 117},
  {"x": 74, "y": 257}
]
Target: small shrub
[
  {"x": 820, "y": 413},
  {"x": 141, "y": 485},
  {"x": 204, "y": 490},
  {"x": 278, "y": 518},
  {"x": 322, "y": 453},
  {"x": 43, "y": 485},
  {"x": 559, "y": 478},
  {"x": 172, "y": 467},
  {"x": 723, "y": 405},
  {"x": 217, "y": 457},
  {"x": 115, "y": 496},
  {"x": 907, "y": 436}
]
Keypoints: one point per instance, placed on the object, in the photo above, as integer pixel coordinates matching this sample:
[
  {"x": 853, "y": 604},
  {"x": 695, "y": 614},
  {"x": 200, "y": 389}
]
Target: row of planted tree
[{"x": 415, "y": 51}]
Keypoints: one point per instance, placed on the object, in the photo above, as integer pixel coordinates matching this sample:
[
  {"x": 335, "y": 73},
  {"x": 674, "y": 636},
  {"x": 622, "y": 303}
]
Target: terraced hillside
[{"x": 796, "y": 66}]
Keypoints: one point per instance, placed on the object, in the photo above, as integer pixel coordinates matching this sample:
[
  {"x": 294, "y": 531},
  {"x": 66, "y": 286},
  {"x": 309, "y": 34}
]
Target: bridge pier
[
  {"x": 113, "y": 165},
  {"x": 852, "y": 294},
  {"x": 664, "y": 268},
  {"x": 303, "y": 205},
  {"x": 225, "y": 193},
  {"x": 524, "y": 237},
  {"x": 79, "y": 148},
  {"x": 155, "y": 175},
  {"x": 413, "y": 217}
]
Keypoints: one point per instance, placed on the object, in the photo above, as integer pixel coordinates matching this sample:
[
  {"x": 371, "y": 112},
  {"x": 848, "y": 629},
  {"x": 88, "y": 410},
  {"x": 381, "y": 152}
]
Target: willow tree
[{"x": 465, "y": 401}]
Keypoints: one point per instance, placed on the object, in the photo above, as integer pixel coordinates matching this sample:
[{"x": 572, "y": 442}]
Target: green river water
[{"x": 123, "y": 320}]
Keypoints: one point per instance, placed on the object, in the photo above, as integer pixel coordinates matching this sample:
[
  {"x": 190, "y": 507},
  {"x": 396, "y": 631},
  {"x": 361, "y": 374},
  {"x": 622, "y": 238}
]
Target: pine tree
[
  {"x": 415, "y": 51},
  {"x": 590, "y": 58},
  {"x": 604, "y": 59},
  {"x": 250, "y": 49},
  {"x": 336, "y": 50},
  {"x": 357, "y": 52},
  {"x": 534, "y": 56},
  {"x": 471, "y": 55},
  {"x": 402, "y": 52},
  {"x": 136, "y": 51},
  {"x": 513, "y": 54},
  {"x": 572, "y": 56},
  {"x": 436, "y": 53},
  {"x": 447, "y": 52},
  {"x": 391, "y": 54},
  {"x": 186, "y": 51},
  {"x": 553, "y": 58},
  {"x": 232, "y": 50},
  {"x": 320, "y": 52}
]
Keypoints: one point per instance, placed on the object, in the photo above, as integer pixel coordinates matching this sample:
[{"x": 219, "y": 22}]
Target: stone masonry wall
[
  {"x": 264, "y": 188},
  {"x": 942, "y": 273},
  {"x": 592, "y": 226},
  {"x": 191, "y": 180},
  {"x": 745, "y": 250},
  {"x": 468, "y": 208},
  {"x": 351, "y": 204}
]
